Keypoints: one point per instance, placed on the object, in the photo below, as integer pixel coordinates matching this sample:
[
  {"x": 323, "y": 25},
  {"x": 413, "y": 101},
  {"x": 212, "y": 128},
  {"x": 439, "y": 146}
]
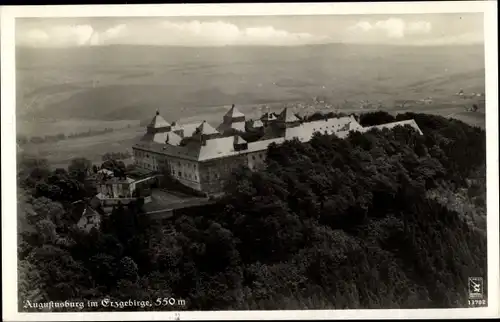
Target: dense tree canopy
[{"x": 383, "y": 219}]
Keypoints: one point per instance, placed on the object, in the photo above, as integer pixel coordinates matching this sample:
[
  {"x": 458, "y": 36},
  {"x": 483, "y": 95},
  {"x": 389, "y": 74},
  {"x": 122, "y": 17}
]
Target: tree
[
  {"x": 127, "y": 269},
  {"x": 375, "y": 118},
  {"x": 79, "y": 168},
  {"x": 57, "y": 270},
  {"x": 118, "y": 167},
  {"x": 47, "y": 231},
  {"x": 104, "y": 269}
]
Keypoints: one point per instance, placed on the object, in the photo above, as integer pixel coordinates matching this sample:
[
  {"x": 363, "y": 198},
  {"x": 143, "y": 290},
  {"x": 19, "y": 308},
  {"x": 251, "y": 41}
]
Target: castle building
[{"x": 202, "y": 157}]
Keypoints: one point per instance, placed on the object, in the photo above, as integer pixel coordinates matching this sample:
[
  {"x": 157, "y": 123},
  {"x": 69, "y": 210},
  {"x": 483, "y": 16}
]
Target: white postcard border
[{"x": 8, "y": 130}]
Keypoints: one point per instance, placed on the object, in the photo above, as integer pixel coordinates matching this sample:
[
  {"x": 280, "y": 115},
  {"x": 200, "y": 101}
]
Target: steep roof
[
  {"x": 205, "y": 128},
  {"x": 238, "y": 140},
  {"x": 213, "y": 148},
  {"x": 162, "y": 137},
  {"x": 182, "y": 152},
  {"x": 216, "y": 148},
  {"x": 257, "y": 123},
  {"x": 189, "y": 129},
  {"x": 338, "y": 126},
  {"x": 234, "y": 113},
  {"x": 287, "y": 116},
  {"x": 392, "y": 125},
  {"x": 268, "y": 116},
  {"x": 173, "y": 138},
  {"x": 224, "y": 147},
  {"x": 158, "y": 121},
  {"x": 240, "y": 126}
]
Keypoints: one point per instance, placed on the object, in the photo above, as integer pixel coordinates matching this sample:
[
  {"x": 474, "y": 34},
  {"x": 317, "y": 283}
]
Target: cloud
[
  {"x": 190, "y": 33},
  {"x": 470, "y": 38},
  {"x": 99, "y": 38},
  {"x": 422, "y": 27},
  {"x": 395, "y": 28},
  {"x": 223, "y": 33},
  {"x": 56, "y": 36}
]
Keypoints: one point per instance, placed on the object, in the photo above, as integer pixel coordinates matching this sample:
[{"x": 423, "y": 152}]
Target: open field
[
  {"x": 70, "y": 126},
  {"x": 79, "y": 89},
  {"x": 59, "y": 154},
  {"x": 125, "y": 83}
]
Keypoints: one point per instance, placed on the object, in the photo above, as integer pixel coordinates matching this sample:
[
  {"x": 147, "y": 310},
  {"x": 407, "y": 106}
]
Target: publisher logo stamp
[{"x": 475, "y": 288}]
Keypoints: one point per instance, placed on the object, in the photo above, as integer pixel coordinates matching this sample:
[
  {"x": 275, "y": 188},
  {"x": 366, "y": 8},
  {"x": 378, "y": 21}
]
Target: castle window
[{"x": 179, "y": 174}]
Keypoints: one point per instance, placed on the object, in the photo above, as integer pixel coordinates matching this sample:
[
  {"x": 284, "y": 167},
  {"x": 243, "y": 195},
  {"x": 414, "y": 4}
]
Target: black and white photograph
[{"x": 331, "y": 159}]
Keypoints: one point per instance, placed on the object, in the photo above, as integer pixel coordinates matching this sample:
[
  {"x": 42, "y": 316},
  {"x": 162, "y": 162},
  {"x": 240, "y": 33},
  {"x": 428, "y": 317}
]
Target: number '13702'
[{"x": 477, "y": 302}]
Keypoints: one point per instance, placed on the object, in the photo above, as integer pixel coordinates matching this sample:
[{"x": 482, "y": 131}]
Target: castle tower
[
  {"x": 204, "y": 132},
  {"x": 287, "y": 119},
  {"x": 233, "y": 119},
  {"x": 158, "y": 124},
  {"x": 160, "y": 131}
]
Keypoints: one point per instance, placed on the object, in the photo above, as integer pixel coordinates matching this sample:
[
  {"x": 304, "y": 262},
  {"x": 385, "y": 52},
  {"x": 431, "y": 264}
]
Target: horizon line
[{"x": 249, "y": 45}]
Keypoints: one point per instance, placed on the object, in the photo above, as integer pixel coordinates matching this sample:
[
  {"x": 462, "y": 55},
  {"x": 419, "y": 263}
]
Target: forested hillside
[{"x": 383, "y": 219}]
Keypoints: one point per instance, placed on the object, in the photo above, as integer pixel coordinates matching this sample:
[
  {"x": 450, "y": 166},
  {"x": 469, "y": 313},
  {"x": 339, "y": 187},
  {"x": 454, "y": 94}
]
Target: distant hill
[{"x": 131, "y": 82}]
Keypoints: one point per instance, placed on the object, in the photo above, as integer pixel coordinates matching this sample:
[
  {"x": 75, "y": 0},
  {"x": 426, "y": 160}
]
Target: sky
[{"x": 418, "y": 30}]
